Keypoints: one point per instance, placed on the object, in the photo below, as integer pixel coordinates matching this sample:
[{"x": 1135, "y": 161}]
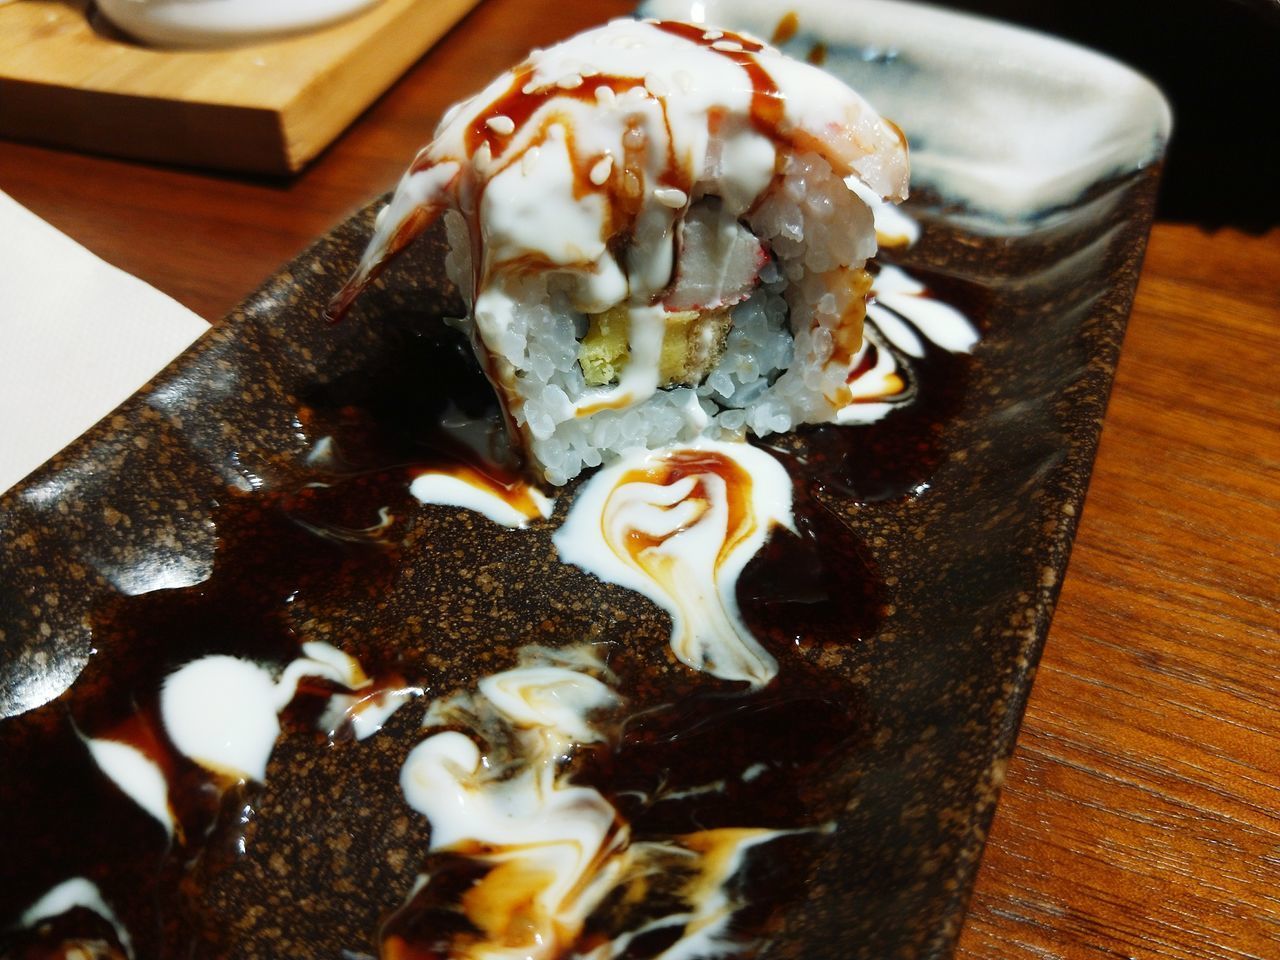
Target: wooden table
[{"x": 1141, "y": 812}]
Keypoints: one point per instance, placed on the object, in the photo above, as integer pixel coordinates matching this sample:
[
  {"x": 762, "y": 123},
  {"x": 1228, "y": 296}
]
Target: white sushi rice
[{"x": 773, "y": 374}]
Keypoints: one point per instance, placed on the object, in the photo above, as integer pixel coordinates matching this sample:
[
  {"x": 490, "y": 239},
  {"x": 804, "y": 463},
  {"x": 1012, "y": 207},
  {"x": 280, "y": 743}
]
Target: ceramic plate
[{"x": 209, "y": 515}]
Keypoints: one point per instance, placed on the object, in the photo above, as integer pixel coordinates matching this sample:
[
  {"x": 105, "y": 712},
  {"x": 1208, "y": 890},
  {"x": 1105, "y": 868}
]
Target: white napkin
[{"x": 77, "y": 337}]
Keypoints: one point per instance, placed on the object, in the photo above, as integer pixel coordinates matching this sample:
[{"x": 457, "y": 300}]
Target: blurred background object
[
  {"x": 68, "y": 79},
  {"x": 214, "y": 23},
  {"x": 1218, "y": 62}
]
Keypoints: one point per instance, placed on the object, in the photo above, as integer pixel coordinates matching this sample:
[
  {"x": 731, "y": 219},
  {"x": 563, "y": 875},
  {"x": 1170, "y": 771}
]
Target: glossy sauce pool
[{"x": 331, "y": 544}]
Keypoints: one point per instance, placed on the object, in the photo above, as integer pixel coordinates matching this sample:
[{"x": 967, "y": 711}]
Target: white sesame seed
[
  {"x": 605, "y": 96},
  {"x": 529, "y": 159},
  {"x": 713, "y": 35},
  {"x": 529, "y": 88},
  {"x": 601, "y": 169},
  {"x": 671, "y": 197},
  {"x": 656, "y": 85},
  {"x": 588, "y": 70},
  {"x": 483, "y": 157},
  {"x": 727, "y": 46},
  {"x": 501, "y": 125},
  {"x": 570, "y": 82}
]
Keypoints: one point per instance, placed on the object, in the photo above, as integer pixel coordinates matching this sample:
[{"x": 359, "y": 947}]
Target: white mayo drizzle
[
  {"x": 876, "y": 391},
  {"x": 550, "y": 840},
  {"x": 706, "y": 925},
  {"x": 533, "y": 211},
  {"x": 526, "y": 194},
  {"x": 472, "y": 491},
  {"x": 902, "y": 314},
  {"x": 1008, "y": 121},
  {"x": 893, "y": 227},
  {"x": 556, "y": 849},
  {"x": 72, "y": 893},
  {"x": 943, "y": 324},
  {"x": 687, "y": 571},
  {"x": 365, "y": 713},
  {"x": 223, "y": 712},
  {"x": 137, "y": 775}
]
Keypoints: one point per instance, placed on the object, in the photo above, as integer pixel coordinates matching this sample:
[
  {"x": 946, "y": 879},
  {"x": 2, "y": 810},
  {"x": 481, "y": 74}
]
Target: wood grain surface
[
  {"x": 69, "y": 79},
  {"x": 1141, "y": 812}
]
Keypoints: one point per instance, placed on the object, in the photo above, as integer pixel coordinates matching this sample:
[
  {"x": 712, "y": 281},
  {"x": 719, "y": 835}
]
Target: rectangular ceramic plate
[{"x": 961, "y": 509}]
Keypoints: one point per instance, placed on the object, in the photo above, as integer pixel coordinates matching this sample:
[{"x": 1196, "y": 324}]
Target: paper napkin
[{"x": 77, "y": 337}]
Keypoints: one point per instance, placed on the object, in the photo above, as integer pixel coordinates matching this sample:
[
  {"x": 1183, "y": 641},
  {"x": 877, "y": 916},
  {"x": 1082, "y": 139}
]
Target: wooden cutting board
[{"x": 68, "y": 80}]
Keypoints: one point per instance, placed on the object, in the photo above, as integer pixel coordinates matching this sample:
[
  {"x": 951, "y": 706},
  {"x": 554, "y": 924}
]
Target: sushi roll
[{"x": 660, "y": 231}]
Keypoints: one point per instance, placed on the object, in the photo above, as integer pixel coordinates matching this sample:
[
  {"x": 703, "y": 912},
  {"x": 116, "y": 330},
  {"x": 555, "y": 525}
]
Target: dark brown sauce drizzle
[
  {"x": 625, "y": 185},
  {"x": 519, "y": 104},
  {"x": 767, "y": 102},
  {"x": 892, "y": 458},
  {"x": 280, "y": 551},
  {"x": 275, "y": 552},
  {"x": 740, "y": 521}
]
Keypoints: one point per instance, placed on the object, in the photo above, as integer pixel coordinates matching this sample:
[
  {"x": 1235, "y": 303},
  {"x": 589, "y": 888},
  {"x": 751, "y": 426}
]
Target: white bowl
[{"x": 215, "y": 23}]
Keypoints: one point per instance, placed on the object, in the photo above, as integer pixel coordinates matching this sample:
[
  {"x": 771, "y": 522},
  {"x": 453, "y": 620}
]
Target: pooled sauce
[
  {"x": 893, "y": 455},
  {"x": 714, "y": 768},
  {"x": 328, "y": 545},
  {"x": 678, "y": 525},
  {"x": 274, "y": 552},
  {"x": 696, "y": 465},
  {"x": 566, "y": 820},
  {"x": 510, "y": 502}
]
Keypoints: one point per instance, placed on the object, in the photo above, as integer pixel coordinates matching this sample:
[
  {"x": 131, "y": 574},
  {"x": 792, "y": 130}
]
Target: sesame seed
[
  {"x": 483, "y": 157},
  {"x": 529, "y": 88},
  {"x": 605, "y": 96},
  {"x": 713, "y": 35},
  {"x": 601, "y": 169},
  {"x": 671, "y": 197},
  {"x": 501, "y": 125},
  {"x": 529, "y": 159},
  {"x": 656, "y": 85},
  {"x": 570, "y": 82},
  {"x": 727, "y": 46}
]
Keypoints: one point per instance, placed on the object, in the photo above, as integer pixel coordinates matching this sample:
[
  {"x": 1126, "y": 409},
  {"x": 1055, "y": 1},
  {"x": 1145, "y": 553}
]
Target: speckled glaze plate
[{"x": 187, "y": 521}]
